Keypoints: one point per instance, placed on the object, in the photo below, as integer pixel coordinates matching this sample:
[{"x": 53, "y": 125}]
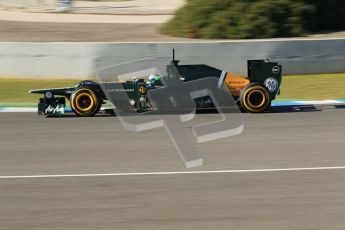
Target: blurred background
[
  {"x": 117, "y": 20},
  {"x": 50, "y": 39},
  {"x": 50, "y": 43}
]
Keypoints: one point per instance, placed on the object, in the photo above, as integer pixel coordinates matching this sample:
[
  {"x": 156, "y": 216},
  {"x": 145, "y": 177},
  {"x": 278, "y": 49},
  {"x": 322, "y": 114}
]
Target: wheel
[
  {"x": 254, "y": 98},
  {"x": 84, "y": 102}
]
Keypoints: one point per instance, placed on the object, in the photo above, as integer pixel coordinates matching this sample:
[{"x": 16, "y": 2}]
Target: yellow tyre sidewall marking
[
  {"x": 263, "y": 96},
  {"x": 89, "y": 92},
  {"x": 78, "y": 104},
  {"x": 250, "y": 91}
]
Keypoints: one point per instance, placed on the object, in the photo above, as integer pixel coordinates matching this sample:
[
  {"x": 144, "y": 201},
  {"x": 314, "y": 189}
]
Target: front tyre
[
  {"x": 254, "y": 98},
  {"x": 84, "y": 102}
]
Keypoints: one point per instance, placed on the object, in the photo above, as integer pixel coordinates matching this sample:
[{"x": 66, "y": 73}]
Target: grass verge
[
  {"x": 295, "y": 87},
  {"x": 313, "y": 87},
  {"x": 16, "y": 90}
]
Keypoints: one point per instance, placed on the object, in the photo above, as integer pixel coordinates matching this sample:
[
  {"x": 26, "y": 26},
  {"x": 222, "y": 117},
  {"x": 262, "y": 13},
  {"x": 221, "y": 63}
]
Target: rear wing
[{"x": 260, "y": 70}]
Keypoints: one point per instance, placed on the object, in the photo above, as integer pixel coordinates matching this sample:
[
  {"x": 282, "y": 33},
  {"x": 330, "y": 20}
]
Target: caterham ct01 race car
[{"x": 253, "y": 93}]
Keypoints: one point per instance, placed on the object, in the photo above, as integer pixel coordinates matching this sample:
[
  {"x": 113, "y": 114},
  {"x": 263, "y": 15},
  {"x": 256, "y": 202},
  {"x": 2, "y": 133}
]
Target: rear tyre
[
  {"x": 254, "y": 98},
  {"x": 85, "y": 103}
]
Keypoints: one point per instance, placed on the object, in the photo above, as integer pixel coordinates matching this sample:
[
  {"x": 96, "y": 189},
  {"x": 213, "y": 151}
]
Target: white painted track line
[
  {"x": 173, "y": 173},
  {"x": 18, "y": 110}
]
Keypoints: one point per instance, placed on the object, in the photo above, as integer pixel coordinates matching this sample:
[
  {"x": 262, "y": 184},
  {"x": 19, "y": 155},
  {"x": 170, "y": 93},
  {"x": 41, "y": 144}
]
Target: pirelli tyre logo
[{"x": 173, "y": 104}]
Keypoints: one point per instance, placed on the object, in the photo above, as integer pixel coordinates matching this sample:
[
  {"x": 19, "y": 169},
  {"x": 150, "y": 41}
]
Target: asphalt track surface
[{"x": 299, "y": 199}]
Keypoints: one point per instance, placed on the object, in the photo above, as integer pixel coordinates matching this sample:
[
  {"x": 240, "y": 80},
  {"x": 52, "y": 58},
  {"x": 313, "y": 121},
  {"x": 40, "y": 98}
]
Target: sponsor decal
[
  {"x": 120, "y": 90},
  {"x": 142, "y": 90},
  {"x": 271, "y": 84},
  {"x": 49, "y": 94},
  {"x": 276, "y": 69},
  {"x": 54, "y": 110},
  {"x": 237, "y": 82}
]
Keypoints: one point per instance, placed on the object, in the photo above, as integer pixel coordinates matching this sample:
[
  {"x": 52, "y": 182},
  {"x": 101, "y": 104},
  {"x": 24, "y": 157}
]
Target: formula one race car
[{"x": 253, "y": 93}]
